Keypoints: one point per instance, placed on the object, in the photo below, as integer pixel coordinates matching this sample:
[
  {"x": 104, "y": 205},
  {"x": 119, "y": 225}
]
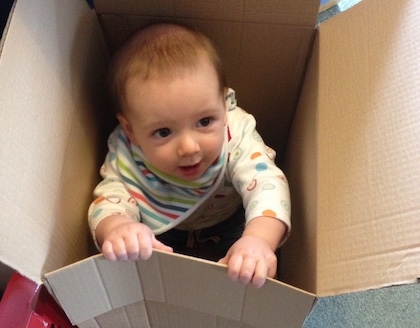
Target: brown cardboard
[
  {"x": 171, "y": 285},
  {"x": 351, "y": 155},
  {"x": 48, "y": 134}
]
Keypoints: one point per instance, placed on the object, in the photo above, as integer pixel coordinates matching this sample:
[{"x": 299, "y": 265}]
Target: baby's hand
[
  {"x": 126, "y": 239},
  {"x": 250, "y": 260}
]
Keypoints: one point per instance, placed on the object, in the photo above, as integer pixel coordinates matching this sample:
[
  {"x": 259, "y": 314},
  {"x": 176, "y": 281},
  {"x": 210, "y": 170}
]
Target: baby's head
[
  {"x": 161, "y": 52},
  {"x": 170, "y": 89}
]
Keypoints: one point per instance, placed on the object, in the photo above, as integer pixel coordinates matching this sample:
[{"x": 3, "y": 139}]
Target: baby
[{"x": 186, "y": 164}]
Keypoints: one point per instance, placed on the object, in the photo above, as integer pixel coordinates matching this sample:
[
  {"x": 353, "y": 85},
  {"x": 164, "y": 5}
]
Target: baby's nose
[{"x": 187, "y": 145}]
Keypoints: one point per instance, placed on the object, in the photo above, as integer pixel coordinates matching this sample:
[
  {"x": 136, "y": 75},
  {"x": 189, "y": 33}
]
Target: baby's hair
[{"x": 161, "y": 51}]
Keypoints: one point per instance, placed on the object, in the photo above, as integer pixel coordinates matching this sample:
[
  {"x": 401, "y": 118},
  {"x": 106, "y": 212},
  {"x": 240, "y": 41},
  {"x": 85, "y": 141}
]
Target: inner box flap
[
  {"x": 285, "y": 12},
  {"x": 89, "y": 289}
]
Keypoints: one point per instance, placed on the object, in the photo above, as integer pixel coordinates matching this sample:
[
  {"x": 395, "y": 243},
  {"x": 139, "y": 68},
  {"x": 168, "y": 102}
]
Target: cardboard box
[
  {"x": 339, "y": 103},
  {"x": 353, "y": 154}
]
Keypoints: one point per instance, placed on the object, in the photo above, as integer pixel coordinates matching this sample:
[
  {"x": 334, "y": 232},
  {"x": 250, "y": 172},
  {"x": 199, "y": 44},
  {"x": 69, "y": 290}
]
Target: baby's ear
[{"x": 125, "y": 125}]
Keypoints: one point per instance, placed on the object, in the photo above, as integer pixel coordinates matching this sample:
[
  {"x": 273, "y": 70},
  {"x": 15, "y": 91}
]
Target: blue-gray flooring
[{"x": 391, "y": 307}]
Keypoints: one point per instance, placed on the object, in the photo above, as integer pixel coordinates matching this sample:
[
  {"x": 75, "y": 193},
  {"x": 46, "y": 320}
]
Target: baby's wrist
[
  {"x": 110, "y": 223},
  {"x": 271, "y": 230}
]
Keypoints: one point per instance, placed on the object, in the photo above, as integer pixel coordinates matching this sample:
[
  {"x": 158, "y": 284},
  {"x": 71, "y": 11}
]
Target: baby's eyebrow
[
  {"x": 151, "y": 122},
  {"x": 156, "y": 127},
  {"x": 209, "y": 110}
]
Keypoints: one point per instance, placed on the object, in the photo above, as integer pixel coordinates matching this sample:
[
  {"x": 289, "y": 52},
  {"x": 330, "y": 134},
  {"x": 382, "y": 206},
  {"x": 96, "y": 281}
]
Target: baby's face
[{"x": 178, "y": 124}]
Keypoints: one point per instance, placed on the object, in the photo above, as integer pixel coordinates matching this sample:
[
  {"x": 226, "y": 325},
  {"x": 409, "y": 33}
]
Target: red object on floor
[{"x": 26, "y": 304}]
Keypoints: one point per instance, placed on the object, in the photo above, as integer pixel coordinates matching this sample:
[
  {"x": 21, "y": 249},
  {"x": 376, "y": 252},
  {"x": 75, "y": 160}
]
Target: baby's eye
[
  {"x": 162, "y": 133},
  {"x": 204, "y": 122}
]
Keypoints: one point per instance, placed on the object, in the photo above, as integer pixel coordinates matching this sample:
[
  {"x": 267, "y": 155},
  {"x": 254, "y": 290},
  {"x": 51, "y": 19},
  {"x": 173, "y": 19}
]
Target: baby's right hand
[{"x": 122, "y": 238}]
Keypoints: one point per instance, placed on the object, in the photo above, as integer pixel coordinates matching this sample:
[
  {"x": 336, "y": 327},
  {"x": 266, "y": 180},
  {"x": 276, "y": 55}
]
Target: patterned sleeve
[
  {"x": 111, "y": 197},
  {"x": 262, "y": 185}
]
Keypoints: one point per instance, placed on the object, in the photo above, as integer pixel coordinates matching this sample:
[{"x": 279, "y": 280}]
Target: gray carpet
[
  {"x": 392, "y": 307},
  {"x": 341, "y": 6}
]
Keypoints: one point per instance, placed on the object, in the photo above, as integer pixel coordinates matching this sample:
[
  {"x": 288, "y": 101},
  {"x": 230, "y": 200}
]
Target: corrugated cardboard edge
[
  {"x": 5, "y": 271},
  {"x": 89, "y": 289}
]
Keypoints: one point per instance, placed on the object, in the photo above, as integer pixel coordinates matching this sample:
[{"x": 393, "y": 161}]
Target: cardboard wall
[
  {"x": 357, "y": 181},
  {"x": 299, "y": 253},
  {"x": 50, "y": 65}
]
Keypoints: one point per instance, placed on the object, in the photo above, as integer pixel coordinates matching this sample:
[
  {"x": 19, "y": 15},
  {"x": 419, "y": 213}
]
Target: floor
[
  {"x": 392, "y": 307},
  {"x": 340, "y": 7}
]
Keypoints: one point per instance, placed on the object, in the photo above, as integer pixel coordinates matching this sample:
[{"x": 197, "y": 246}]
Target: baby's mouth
[{"x": 190, "y": 169}]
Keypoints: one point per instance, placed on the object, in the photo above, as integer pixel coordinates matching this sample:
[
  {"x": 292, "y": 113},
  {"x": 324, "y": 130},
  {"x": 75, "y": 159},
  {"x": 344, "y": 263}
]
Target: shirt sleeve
[
  {"x": 251, "y": 166},
  {"x": 111, "y": 197}
]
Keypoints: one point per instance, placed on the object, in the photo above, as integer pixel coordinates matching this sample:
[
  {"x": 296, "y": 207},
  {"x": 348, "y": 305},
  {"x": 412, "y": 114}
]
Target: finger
[
  {"x": 114, "y": 250},
  {"x": 108, "y": 251},
  {"x": 223, "y": 260},
  {"x": 234, "y": 267},
  {"x": 132, "y": 248},
  {"x": 145, "y": 248},
  {"x": 260, "y": 274},
  {"x": 272, "y": 267},
  {"x": 161, "y": 246},
  {"x": 120, "y": 250},
  {"x": 247, "y": 270},
  {"x": 264, "y": 269}
]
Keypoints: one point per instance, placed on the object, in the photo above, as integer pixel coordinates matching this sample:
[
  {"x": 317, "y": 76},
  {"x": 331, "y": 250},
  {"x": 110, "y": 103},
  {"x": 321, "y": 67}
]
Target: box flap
[
  {"x": 171, "y": 290},
  {"x": 49, "y": 68},
  {"x": 361, "y": 136},
  {"x": 263, "y": 44},
  {"x": 286, "y": 12}
]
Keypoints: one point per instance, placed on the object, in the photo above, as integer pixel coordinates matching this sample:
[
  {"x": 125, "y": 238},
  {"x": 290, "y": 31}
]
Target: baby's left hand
[{"x": 251, "y": 260}]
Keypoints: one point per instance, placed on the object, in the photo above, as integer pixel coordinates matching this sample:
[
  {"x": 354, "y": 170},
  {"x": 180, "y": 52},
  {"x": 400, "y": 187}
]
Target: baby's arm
[
  {"x": 114, "y": 216},
  {"x": 123, "y": 238},
  {"x": 266, "y": 199},
  {"x": 252, "y": 259}
]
